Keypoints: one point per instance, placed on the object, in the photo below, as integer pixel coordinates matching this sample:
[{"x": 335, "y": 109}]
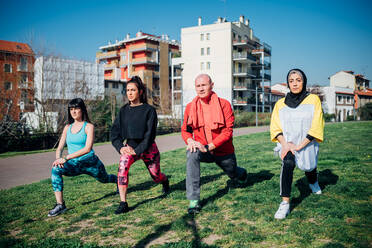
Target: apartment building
[
  {"x": 238, "y": 62},
  {"x": 16, "y": 79},
  {"x": 147, "y": 56},
  {"x": 56, "y": 82}
]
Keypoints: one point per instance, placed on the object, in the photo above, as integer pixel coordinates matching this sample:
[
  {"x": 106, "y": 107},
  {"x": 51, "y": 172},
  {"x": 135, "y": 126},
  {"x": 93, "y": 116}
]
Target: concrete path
[{"x": 25, "y": 169}]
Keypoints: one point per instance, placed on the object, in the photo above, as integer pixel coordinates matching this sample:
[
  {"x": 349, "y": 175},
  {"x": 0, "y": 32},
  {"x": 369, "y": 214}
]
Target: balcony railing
[
  {"x": 239, "y": 101},
  {"x": 244, "y": 73},
  {"x": 111, "y": 66},
  {"x": 239, "y": 56},
  {"x": 266, "y": 77},
  {"x": 145, "y": 60},
  {"x": 247, "y": 42},
  {"x": 107, "y": 55},
  {"x": 147, "y": 47}
]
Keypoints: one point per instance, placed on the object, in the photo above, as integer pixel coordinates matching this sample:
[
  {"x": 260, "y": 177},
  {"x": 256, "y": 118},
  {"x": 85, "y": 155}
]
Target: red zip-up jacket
[{"x": 222, "y": 137}]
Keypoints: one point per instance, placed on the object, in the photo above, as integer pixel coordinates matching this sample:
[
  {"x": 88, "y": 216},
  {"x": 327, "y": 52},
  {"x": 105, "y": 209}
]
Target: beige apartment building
[{"x": 147, "y": 56}]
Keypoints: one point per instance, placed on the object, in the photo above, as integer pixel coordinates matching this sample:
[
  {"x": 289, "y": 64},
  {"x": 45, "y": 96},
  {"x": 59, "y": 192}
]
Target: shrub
[
  {"x": 168, "y": 125},
  {"x": 366, "y": 112},
  {"x": 245, "y": 119},
  {"x": 329, "y": 117}
]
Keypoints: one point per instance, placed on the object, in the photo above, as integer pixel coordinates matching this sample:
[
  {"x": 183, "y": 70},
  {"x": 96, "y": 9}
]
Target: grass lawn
[{"x": 231, "y": 216}]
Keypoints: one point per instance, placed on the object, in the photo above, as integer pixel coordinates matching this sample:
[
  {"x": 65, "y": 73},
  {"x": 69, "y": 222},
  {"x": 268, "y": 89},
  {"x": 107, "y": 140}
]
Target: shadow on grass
[
  {"x": 141, "y": 186},
  {"x": 326, "y": 177},
  {"x": 189, "y": 220}
]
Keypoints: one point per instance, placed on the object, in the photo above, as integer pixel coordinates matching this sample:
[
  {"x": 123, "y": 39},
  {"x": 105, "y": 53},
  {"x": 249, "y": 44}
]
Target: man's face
[{"x": 203, "y": 86}]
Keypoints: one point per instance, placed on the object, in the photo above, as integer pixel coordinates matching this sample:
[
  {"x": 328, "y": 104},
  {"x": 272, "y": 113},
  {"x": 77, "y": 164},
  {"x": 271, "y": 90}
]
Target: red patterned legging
[{"x": 151, "y": 157}]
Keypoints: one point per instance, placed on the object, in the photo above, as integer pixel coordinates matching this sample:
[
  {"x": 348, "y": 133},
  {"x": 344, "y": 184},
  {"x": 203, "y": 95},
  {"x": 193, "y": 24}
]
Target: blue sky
[{"x": 321, "y": 37}]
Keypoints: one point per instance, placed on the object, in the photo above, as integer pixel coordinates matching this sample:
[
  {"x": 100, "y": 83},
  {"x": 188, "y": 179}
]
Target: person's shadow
[
  {"x": 325, "y": 177},
  {"x": 189, "y": 220}
]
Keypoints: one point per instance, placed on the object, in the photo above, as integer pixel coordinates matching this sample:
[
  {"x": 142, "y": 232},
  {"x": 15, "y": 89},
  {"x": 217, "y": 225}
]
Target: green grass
[{"x": 231, "y": 216}]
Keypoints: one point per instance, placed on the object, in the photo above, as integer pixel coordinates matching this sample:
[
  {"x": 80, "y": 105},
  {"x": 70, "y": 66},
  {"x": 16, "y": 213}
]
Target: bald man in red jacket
[{"x": 207, "y": 130}]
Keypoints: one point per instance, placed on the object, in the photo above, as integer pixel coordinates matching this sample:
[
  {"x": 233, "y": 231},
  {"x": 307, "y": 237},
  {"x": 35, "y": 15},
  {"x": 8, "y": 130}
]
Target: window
[
  {"x": 23, "y": 65},
  {"x": 201, "y": 37},
  {"x": 234, "y": 36},
  {"x": 339, "y": 98},
  {"x": 208, "y": 35},
  {"x": 202, "y": 66},
  {"x": 24, "y": 97},
  {"x": 208, "y": 50},
  {"x": 202, "y": 51},
  {"x": 7, "y": 68},
  {"x": 8, "y": 85},
  {"x": 239, "y": 38},
  {"x": 106, "y": 84},
  {"x": 208, "y": 65},
  {"x": 115, "y": 85},
  {"x": 23, "y": 82}
]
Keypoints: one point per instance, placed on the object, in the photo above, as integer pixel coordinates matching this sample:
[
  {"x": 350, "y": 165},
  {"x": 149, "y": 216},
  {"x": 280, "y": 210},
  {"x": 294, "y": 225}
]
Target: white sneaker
[
  {"x": 283, "y": 211},
  {"x": 315, "y": 188}
]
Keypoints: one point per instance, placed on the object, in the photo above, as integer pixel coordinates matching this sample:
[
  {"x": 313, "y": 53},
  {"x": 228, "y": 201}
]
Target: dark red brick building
[{"x": 16, "y": 79}]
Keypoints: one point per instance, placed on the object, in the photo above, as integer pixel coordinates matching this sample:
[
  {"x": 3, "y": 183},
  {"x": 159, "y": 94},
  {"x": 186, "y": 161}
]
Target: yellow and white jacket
[{"x": 295, "y": 124}]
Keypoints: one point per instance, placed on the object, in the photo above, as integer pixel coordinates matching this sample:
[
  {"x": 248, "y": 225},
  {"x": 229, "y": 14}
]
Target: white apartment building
[
  {"x": 57, "y": 81},
  {"x": 235, "y": 59}
]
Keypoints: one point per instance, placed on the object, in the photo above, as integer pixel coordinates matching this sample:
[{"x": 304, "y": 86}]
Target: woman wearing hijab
[{"x": 297, "y": 125}]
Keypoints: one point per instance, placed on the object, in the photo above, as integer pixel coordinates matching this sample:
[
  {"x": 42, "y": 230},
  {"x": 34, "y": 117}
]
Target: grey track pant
[{"x": 227, "y": 163}]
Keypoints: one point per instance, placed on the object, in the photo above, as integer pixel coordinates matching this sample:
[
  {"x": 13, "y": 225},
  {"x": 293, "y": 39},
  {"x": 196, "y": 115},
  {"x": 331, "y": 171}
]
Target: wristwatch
[{"x": 207, "y": 147}]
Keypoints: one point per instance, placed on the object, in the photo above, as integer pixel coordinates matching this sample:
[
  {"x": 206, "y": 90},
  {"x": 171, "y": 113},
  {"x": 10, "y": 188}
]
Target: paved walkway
[{"x": 25, "y": 169}]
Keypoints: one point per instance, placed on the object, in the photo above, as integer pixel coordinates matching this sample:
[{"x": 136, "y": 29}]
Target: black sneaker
[
  {"x": 166, "y": 188},
  {"x": 123, "y": 208},
  {"x": 58, "y": 209}
]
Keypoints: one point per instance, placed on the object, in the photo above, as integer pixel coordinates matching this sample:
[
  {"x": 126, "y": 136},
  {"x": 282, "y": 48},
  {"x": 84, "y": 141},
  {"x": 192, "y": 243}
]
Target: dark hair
[
  {"x": 140, "y": 86},
  {"x": 77, "y": 103}
]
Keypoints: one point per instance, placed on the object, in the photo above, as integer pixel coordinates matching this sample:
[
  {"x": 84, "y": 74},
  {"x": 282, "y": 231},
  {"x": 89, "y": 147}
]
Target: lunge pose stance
[
  {"x": 79, "y": 136},
  {"x": 136, "y": 123},
  {"x": 207, "y": 131},
  {"x": 297, "y": 125}
]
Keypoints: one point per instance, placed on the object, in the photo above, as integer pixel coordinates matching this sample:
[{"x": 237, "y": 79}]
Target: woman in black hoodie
[{"x": 136, "y": 123}]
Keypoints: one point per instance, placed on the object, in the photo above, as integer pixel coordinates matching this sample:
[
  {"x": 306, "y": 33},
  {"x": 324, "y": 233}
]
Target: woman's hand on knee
[
  {"x": 59, "y": 162},
  {"x": 127, "y": 150},
  {"x": 285, "y": 150}
]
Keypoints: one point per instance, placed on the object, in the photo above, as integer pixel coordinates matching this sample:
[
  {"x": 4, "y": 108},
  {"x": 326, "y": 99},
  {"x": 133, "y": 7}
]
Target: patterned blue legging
[{"x": 91, "y": 166}]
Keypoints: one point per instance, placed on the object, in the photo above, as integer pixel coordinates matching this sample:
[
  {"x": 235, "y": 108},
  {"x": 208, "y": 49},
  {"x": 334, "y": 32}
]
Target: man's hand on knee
[{"x": 193, "y": 145}]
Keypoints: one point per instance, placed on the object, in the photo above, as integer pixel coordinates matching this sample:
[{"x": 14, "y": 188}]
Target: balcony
[
  {"x": 239, "y": 101},
  {"x": 245, "y": 43},
  {"x": 240, "y": 86},
  {"x": 146, "y": 48},
  {"x": 111, "y": 66},
  {"x": 243, "y": 73},
  {"x": 266, "y": 65},
  {"x": 243, "y": 57},
  {"x": 265, "y": 48},
  {"x": 106, "y": 55},
  {"x": 267, "y": 77},
  {"x": 145, "y": 60}
]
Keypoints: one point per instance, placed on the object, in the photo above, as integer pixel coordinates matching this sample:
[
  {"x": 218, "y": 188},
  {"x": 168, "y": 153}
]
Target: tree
[{"x": 366, "y": 112}]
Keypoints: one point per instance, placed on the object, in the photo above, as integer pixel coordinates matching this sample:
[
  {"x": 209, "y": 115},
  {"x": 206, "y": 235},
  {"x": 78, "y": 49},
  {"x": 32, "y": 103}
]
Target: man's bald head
[
  {"x": 203, "y": 77},
  {"x": 203, "y": 85}
]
